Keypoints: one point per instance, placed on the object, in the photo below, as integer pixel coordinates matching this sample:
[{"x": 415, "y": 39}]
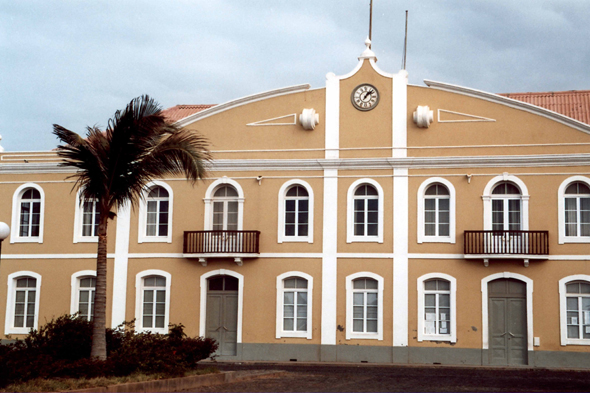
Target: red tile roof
[
  {"x": 573, "y": 103},
  {"x": 181, "y": 111}
]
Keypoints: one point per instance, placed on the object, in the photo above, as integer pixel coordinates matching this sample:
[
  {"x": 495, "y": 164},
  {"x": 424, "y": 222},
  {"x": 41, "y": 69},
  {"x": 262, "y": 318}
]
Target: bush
[{"x": 61, "y": 348}]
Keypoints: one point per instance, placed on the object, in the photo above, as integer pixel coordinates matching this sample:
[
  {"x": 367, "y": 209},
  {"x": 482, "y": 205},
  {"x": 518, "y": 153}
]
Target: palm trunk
[{"x": 99, "y": 344}]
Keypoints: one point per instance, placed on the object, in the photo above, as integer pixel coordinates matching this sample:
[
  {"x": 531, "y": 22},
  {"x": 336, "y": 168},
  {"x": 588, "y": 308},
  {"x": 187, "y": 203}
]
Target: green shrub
[{"x": 61, "y": 349}]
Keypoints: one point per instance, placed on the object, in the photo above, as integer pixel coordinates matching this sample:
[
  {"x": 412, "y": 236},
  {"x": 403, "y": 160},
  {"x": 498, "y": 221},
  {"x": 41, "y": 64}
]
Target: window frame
[
  {"x": 75, "y": 285},
  {"x": 563, "y": 309},
  {"x": 422, "y": 238},
  {"x": 139, "y": 287},
  {"x": 451, "y": 337},
  {"x": 16, "y": 210},
  {"x": 78, "y": 221},
  {"x": 350, "y": 334},
  {"x": 142, "y": 237},
  {"x": 280, "y": 332},
  {"x": 209, "y": 199},
  {"x": 561, "y": 210},
  {"x": 350, "y": 236},
  {"x": 487, "y": 200},
  {"x": 9, "y": 327},
  {"x": 281, "y": 236}
]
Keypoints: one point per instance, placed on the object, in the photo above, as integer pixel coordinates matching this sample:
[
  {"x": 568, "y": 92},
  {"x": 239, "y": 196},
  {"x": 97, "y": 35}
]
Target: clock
[{"x": 365, "y": 97}]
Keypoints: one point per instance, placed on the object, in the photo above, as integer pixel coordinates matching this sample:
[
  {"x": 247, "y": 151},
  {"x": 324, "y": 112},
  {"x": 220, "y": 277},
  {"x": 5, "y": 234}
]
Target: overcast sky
[{"x": 74, "y": 63}]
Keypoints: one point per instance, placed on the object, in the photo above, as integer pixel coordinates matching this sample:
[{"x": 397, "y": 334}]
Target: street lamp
[{"x": 4, "y": 232}]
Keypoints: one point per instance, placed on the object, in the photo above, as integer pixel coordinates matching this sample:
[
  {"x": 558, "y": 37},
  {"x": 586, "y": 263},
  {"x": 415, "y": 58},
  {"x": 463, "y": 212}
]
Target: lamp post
[{"x": 4, "y": 232}]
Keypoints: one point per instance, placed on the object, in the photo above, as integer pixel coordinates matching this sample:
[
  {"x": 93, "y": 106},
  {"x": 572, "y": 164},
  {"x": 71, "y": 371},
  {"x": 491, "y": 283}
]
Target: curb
[{"x": 176, "y": 384}]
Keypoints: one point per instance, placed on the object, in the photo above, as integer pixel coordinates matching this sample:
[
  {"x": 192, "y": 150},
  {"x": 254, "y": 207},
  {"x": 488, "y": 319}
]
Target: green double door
[
  {"x": 222, "y": 313},
  {"x": 507, "y": 319}
]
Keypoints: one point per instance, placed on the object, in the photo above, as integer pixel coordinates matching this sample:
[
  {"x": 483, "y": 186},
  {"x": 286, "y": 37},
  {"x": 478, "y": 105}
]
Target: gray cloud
[{"x": 74, "y": 63}]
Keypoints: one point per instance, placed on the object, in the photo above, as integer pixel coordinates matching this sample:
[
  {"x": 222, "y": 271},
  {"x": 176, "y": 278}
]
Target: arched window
[
  {"x": 364, "y": 306},
  {"x": 225, "y": 209},
  {"x": 574, "y": 292},
  {"x": 86, "y": 219},
  {"x": 506, "y": 204},
  {"x": 83, "y": 291},
  {"x": 436, "y": 211},
  {"x": 22, "y": 309},
  {"x": 152, "y": 301},
  {"x": 27, "y": 214},
  {"x": 574, "y": 210},
  {"x": 506, "y": 207},
  {"x": 365, "y": 211},
  {"x": 155, "y": 213},
  {"x": 295, "y": 212},
  {"x": 437, "y": 307},
  {"x": 294, "y": 303}
]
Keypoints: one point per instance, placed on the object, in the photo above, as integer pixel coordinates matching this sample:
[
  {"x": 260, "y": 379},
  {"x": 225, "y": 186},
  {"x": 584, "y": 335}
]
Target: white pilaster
[
  {"x": 399, "y": 113},
  {"x": 399, "y": 124},
  {"x": 329, "y": 259},
  {"x": 120, "y": 265},
  {"x": 400, "y": 257},
  {"x": 332, "y": 116}
]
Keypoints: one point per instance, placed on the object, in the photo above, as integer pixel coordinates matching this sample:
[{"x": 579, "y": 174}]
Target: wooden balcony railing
[
  {"x": 506, "y": 242},
  {"x": 221, "y": 242}
]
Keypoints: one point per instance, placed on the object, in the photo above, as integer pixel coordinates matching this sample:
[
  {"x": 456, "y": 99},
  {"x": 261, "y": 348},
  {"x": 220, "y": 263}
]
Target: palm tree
[{"x": 114, "y": 166}]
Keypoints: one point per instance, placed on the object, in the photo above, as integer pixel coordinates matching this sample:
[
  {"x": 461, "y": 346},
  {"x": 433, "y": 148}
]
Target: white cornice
[
  {"x": 320, "y": 164},
  {"x": 241, "y": 101},
  {"x": 498, "y": 99}
]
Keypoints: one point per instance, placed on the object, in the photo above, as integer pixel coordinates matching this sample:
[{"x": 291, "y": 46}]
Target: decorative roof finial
[{"x": 368, "y": 53}]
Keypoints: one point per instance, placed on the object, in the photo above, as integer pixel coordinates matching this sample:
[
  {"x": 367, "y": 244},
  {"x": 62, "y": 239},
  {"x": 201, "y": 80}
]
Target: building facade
[{"x": 368, "y": 220}]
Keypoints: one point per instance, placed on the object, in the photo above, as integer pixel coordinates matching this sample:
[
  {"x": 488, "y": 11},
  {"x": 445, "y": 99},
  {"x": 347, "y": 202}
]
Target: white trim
[
  {"x": 332, "y": 128},
  {"x": 484, "y": 306},
  {"x": 399, "y": 114},
  {"x": 498, "y": 99},
  {"x": 16, "y": 199},
  {"x": 487, "y": 200},
  {"x": 473, "y": 117},
  {"x": 282, "y": 197},
  {"x": 280, "y": 297},
  {"x": 422, "y": 238},
  {"x": 10, "y": 299},
  {"x": 239, "y": 102},
  {"x": 561, "y": 210},
  {"x": 350, "y": 236},
  {"x": 400, "y": 261},
  {"x": 142, "y": 219},
  {"x": 75, "y": 285},
  {"x": 203, "y": 308},
  {"x": 209, "y": 201},
  {"x": 265, "y": 122},
  {"x": 452, "y": 337},
  {"x": 329, "y": 257},
  {"x": 139, "y": 300},
  {"x": 349, "y": 307},
  {"x": 563, "y": 310},
  {"x": 78, "y": 217},
  {"x": 120, "y": 265}
]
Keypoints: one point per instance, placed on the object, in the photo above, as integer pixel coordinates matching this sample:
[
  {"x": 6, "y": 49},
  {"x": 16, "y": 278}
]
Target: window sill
[
  {"x": 364, "y": 336},
  {"x": 436, "y": 338},
  {"x": 570, "y": 341},
  {"x": 86, "y": 239},
  {"x": 155, "y": 239},
  {"x": 574, "y": 239},
  {"x": 152, "y": 330},
  {"x": 26, "y": 240},
  {"x": 372, "y": 239},
  {"x": 295, "y": 239},
  {"x": 436, "y": 239},
  {"x": 305, "y": 335},
  {"x": 18, "y": 330}
]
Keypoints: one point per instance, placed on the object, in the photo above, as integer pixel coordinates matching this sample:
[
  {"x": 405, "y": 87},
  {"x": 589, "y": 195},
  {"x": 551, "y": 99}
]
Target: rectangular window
[{"x": 24, "y": 307}]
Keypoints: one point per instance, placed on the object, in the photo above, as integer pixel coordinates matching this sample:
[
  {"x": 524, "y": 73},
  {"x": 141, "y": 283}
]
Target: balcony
[
  {"x": 488, "y": 245},
  {"x": 221, "y": 244}
]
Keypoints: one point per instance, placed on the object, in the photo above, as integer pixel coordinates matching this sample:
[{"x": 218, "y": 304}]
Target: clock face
[{"x": 365, "y": 97}]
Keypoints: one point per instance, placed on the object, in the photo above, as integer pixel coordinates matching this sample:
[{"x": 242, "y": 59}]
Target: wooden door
[{"x": 222, "y": 313}]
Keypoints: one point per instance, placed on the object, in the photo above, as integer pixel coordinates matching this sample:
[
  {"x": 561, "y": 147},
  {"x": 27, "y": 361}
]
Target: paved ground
[{"x": 321, "y": 377}]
